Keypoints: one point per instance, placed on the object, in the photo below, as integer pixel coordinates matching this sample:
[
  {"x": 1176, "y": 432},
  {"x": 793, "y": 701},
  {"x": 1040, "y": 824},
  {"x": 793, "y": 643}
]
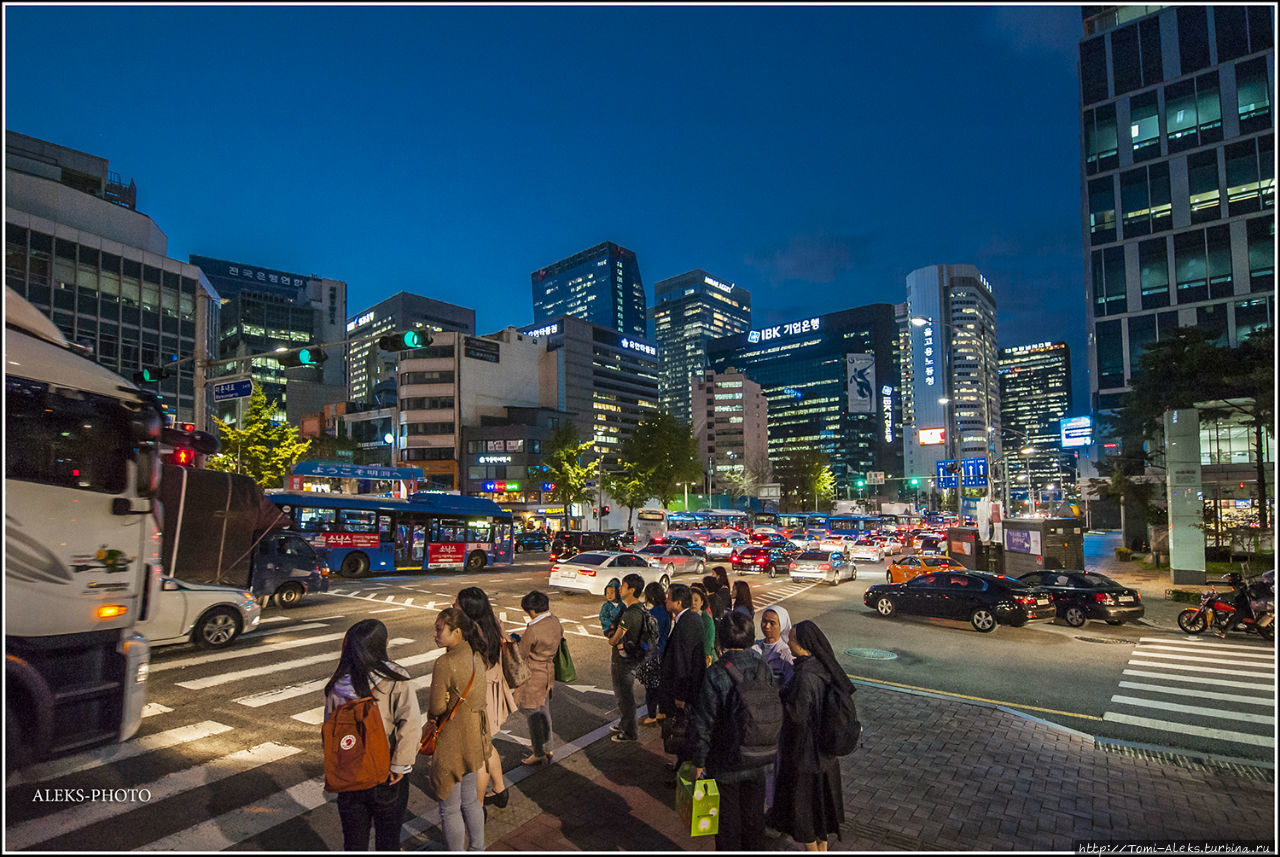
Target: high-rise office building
[
  {"x": 951, "y": 378},
  {"x": 78, "y": 249},
  {"x": 264, "y": 310},
  {"x": 731, "y": 425},
  {"x": 1177, "y": 175},
  {"x": 371, "y": 372},
  {"x": 831, "y": 384},
  {"x": 601, "y": 285},
  {"x": 1035, "y": 396},
  {"x": 688, "y": 311}
]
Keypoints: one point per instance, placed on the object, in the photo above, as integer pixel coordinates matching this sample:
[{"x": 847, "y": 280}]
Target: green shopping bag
[{"x": 697, "y": 802}]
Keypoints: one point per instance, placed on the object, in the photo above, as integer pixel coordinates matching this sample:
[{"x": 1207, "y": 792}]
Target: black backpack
[
  {"x": 839, "y": 730},
  {"x": 647, "y": 645},
  {"x": 755, "y": 715}
]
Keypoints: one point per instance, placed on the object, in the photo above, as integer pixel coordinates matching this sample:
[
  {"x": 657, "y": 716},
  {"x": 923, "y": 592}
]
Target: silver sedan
[
  {"x": 831, "y": 566},
  {"x": 674, "y": 559}
]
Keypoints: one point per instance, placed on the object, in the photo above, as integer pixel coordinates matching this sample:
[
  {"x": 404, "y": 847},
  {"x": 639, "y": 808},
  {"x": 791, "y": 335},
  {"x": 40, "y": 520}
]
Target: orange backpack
[{"x": 357, "y": 754}]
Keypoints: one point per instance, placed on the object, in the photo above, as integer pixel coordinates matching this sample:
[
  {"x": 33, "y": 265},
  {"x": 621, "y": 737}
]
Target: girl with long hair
[
  {"x": 463, "y": 743},
  {"x": 742, "y": 601},
  {"x": 486, "y": 639}
]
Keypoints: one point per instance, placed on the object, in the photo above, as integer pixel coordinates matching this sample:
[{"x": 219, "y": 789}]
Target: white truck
[{"x": 82, "y": 543}]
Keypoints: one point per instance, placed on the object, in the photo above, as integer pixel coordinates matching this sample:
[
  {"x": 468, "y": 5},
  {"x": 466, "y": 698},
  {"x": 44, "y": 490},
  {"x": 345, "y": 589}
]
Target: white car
[
  {"x": 830, "y": 566},
  {"x": 866, "y": 549},
  {"x": 890, "y": 544},
  {"x": 206, "y": 614},
  {"x": 592, "y": 571},
  {"x": 719, "y": 547}
]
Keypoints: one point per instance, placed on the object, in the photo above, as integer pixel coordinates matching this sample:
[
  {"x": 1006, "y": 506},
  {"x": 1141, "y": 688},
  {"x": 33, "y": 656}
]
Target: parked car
[
  {"x": 209, "y": 615},
  {"x": 985, "y": 599},
  {"x": 1079, "y": 596},
  {"x": 865, "y": 549},
  {"x": 720, "y": 547},
  {"x": 532, "y": 540},
  {"x": 904, "y": 568},
  {"x": 831, "y": 566},
  {"x": 591, "y": 571},
  {"x": 762, "y": 559},
  {"x": 675, "y": 559}
]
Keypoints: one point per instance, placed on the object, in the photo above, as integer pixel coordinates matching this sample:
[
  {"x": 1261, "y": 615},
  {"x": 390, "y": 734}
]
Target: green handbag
[{"x": 564, "y": 663}]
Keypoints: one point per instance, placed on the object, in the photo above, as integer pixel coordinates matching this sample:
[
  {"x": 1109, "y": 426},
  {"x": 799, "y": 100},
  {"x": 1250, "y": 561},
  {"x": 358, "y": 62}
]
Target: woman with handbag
[
  {"x": 487, "y": 639},
  {"x": 462, "y": 743},
  {"x": 539, "y": 644}
]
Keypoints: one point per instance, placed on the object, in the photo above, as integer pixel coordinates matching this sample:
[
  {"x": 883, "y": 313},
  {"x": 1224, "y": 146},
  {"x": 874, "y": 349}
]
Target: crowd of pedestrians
[{"x": 742, "y": 709}]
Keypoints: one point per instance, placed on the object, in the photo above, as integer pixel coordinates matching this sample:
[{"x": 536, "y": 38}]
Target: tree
[
  {"x": 629, "y": 486},
  {"x": 748, "y": 480},
  {"x": 562, "y": 465},
  {"x": 667, "y": 451},
  {"x": 259, "y": 447},
  {"x": 806, "y": 477}
]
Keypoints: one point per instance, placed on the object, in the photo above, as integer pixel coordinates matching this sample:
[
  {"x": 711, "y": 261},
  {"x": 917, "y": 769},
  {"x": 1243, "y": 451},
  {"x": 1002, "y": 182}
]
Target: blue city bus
[
  {"x": 425, "y": 532},
  {"x": 852, "y": 525}
]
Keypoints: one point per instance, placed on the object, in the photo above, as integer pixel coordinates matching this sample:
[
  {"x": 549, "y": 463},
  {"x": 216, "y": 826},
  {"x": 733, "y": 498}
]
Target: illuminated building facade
[
  {"x": 601, "y": 285},
  {"x": 731, "y": 425},
  {"x": 371, "y": 371},
  {"x": 1035, "y": 396}
]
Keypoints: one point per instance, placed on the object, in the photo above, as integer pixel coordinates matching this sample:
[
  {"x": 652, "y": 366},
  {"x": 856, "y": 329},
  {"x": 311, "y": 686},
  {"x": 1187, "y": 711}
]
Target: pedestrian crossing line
[
  {"x": 1190, "y": 729},
  {"x": 151, "y": 709},
  {"x": 1199, "y": 694},
  {"x": 81, "y": 815},
  {"x": 219, "y": 657},
  {"x": 388, "y": 599},
  {"x": 1217, "y": 670},
  {"x": 245, "y": 822},
  {"x": 1152, "y": 649},
  {"x": 386, "y": 610},
  {"x": 1219, "y": 713},
  {"x": 1200, "y": 659},
  {"x": 1195, "y": 679},
  {"x": 270, "y": 619},
  {"x": 1184, "y": 642},
  {"x": 239, "y": 675},
  {"x": 125, "y": 750},
  {"x": 409, "y": 601},
  {"x": 257, "y": 700}
]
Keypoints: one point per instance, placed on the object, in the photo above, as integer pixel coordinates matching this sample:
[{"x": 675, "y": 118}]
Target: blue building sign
[{"x": 354, "y": 471}]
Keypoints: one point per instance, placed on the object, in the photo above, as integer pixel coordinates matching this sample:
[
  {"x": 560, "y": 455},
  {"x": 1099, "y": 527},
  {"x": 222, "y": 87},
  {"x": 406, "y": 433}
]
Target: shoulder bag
[
  {"x": 514, "y": 668},
  {"x": 431, "y": 729},
  {"x": 564, "y": 663}
]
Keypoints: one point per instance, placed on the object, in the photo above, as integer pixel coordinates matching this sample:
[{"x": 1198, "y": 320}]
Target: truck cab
[{"x": 287, "y": 566}]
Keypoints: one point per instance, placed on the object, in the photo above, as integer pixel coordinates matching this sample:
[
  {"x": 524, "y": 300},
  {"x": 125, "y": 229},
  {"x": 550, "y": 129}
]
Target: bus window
[
  {"x": 448, "y": 530},
  {"x": 479, "y": 531},
  {"x": 356, "y": 521},
  {"x": 312, "y": 520},
  {"x": 384, "y": 527}
]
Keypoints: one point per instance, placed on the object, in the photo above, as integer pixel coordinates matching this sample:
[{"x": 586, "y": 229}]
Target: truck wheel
[
  {"x": 354, "y": 565},
  {"x": 289, "y": 595},
  {"x": 217, "y": 629},
  {"x": 476, "y": 561}
]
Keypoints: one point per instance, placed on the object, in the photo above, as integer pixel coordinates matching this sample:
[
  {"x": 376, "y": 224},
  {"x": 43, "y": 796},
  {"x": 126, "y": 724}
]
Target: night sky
[{"x": 814, "y": 155}]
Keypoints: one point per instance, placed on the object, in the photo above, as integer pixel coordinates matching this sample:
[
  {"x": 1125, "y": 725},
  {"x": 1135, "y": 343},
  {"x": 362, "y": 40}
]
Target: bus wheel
[
  {"x": 476, "y": 561},
  {"x": 289, "y": 595},
  {"x": 354, "y": 565}
]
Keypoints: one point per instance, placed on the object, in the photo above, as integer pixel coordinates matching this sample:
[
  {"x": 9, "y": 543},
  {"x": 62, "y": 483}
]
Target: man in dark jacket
[
  {"x": 714, "y": 744},
  {"x": 683, "y": 663}
]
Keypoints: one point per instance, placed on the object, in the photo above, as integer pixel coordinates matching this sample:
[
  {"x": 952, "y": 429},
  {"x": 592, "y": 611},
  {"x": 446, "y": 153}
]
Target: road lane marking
[
  {"x": 1220, "y": 682},
  {"x": 1196, "y": 658},
  {"x": 408, "y": 602},
  {"x": 386, "y": 610},
  {"x": 227, "y": 678},
  {"x": 1215, "y": 670},
  {"x": 1194, "y": 709},
  {"x": 1194, "y": 641},
  {"x": 151, "y": 709},
  {"x": 1016, "y": 705},
  {"x": 82, "y": 815},
  {"x": 126, "y": 750},
  {"x": 257, "y": 700},
  {"x": 1198, "y": 694},
  {"x": 1189, "y": 729},
  {"x": 1206, "y": 655},
  {"x": 1194, "y": 649},
  {"x": 244, "y": 822},
  {"x": 196, "y": 660},
  {"x": 315, "y": 716}
]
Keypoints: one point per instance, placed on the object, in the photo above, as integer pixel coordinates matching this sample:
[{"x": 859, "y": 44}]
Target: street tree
[
  {"x": 806, "y": 477},
  {"x": 259, "y": 447},
  {"x": 630, "y": 486},
  {"x": 563, "y": 466},
  {"x": 666, "y": 449}
]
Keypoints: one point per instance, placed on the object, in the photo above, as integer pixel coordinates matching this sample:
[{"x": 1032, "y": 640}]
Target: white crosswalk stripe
[
  {"x": 243, "y": 822},
  {"x": 219, "y": 657},
  {"x": 279, "y": 666},
  {"x": 117, "y": 752},
  {"x": 1181, "y": 672},
  {"x": 257, "y": 700}
]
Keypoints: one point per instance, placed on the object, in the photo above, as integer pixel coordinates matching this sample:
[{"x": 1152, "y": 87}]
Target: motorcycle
[{"x": 1216, "y": 611}]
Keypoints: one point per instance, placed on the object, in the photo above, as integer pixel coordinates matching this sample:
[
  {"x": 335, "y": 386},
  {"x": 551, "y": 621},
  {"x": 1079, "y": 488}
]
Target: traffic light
[
  {"x": 595, "y": 513},
  {"x": 404, "y": 341},
  {"x": 150, "y": 375},
  {"x": 862, "y": 483},
  {"x": 605, "y": 510},
  {"x": 914, "y": 482},
  {"x": 182, "y": 457},
  {"x": 309, "y": 356}
]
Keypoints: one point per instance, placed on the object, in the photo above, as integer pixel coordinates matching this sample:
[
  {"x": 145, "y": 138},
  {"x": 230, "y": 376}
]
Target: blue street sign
[
  {"x": 229, "y": 390},
  {"x": 973, "y": 472}
]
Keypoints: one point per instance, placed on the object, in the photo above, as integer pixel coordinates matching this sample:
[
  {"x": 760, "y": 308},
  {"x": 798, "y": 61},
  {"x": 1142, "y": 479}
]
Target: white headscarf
[
  {"x": 777, "y": 655},
  {"x": 784, "y": 618}
]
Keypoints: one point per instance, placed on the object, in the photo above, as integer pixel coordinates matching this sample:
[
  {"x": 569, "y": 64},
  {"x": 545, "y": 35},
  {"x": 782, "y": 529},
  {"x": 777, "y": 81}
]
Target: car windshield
[
  {"x": 821, "y": 556},
  {"x": 590, "y": 558},
  {"x": 653, "y": 549},
  {"x": 934, "y": 561}
]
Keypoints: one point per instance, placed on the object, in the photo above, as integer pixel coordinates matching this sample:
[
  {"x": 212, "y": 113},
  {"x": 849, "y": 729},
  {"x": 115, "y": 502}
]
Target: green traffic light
[
  {"x": 413, "y": 339},
  {"x": 862, "y": 483},
  {"x": 915, "y": 481}
]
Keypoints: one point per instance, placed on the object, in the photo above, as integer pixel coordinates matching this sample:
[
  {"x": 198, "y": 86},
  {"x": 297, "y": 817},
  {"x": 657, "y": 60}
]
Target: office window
[
  {"x": 1250, "y": 175},
  {"x": 1180, "y": 115},
  {"x": 1232, "y": 32},
  {"x": 1193, "y": 38},
  {"x": 1261, "y": 29},
  {"x": 1202, "y": 182},
  {"x": 1126, "y": 65},
  {"x": 1167, "y": 323},
  {"x": 1189, "y": 266},
  {"x": 1102, "y": 211},
  {"x": 1209, "y": 108},
  {"x": 1108, "y": 282},
  {"x": 1144, "y": 199},
  {"x": 1212, "y": 319},
  {"x": 1253, "y": 103},
  {"x": 1251, "y": 315},
  {"x": 1101, "y": 144},
  {"x": 1152, "y": 56},
  {"x": 1153, "y": 264},
  {"x": 1110, "y": 354},
  {"x": 1142, "y": 331},
  {"x": 1144, "y": 125},
  {"x": 1262, "y": 253},
  {"x": 1093, "y": 70},
  {"x": 1218, "y": 261}
]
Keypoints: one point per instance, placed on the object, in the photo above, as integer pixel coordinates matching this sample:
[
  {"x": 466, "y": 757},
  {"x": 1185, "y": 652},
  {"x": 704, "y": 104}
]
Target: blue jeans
[
  {"x": 624, "y": 680},
  {"x": 462, "y": 816}
]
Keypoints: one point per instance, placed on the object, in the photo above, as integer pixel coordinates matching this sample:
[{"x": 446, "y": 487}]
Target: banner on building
[{"x": 861, "y": 369}]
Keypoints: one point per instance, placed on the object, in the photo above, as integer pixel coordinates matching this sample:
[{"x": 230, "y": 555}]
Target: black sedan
[
  {"x": 984, "y": 599},
  {"x": 1083, "y": 595},
  {"x": 757, "y": 558},
  {"x": 533, "y": 540}
]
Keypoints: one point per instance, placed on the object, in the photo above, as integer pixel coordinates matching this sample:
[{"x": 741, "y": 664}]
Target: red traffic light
[{"x": 182, "y": 457}]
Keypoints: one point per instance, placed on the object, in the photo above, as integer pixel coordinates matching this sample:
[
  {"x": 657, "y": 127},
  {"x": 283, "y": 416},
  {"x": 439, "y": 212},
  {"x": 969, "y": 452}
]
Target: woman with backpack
[
  {"x": 808, "y": 800},
  {"x": 463, "y": 743},
  {"x": 364, "y": 670},
  {"x": 487, "y": 639}
]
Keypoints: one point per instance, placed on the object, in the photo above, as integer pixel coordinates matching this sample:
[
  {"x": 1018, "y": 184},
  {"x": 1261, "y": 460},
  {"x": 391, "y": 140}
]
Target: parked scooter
[{"x": 1216, "y": 610}]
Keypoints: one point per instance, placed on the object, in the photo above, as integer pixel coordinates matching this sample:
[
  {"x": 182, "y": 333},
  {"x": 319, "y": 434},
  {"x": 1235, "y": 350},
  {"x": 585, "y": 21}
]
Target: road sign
[
  {"x": 875, "y": 477},
  {"x": 771, "y": 491},
  {"x": 973, "y": 472},
  {"x": 228, "y": 390}
]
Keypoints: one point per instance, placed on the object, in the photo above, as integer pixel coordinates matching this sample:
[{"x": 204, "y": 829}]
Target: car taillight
[
  {"x": 1102, "y": 597},
  {"x": 791, "y": 567},
  {"x": 733, "y": 557},
  {"x": 760, "y": 559},
  {"x": 1025, "y": 599},
  {"x": 1137, "y": 596},
  {"x": 587, "y": 572},
  {"x": 554, "y": 568}
]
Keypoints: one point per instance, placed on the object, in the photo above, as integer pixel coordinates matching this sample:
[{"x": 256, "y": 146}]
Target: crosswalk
[{"x": 1199, "y": 687}]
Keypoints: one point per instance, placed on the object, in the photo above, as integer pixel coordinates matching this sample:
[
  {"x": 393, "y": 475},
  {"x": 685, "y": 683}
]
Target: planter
[{"x": 1124, "y": 554}]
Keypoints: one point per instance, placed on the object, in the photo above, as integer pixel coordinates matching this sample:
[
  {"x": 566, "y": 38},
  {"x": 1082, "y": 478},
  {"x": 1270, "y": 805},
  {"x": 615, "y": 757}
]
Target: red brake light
[
  {"x": 1025, "y": 599},
  {"x": 587, "y": 572},
  {"x": 1101, "y": 597}
]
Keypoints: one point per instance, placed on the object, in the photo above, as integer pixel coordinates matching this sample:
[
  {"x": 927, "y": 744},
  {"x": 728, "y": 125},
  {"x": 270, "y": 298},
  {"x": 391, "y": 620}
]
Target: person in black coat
[
  {"x": 683, "y": 663},
  {"x": 808, "y": 799}
]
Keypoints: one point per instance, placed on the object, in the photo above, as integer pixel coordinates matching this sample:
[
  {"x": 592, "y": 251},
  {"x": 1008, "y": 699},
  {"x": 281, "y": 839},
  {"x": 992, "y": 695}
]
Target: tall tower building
[
  {"x": 601, "y": 285},
  {"x": 1035, "y": 396},
  {"x": 1177, "y": 178},
  {"x": 951, "y": 377},
  {"x": 371, "y": 372},
  {"x": 688, "y": 311},
  {"x": 731, "y": 425}
]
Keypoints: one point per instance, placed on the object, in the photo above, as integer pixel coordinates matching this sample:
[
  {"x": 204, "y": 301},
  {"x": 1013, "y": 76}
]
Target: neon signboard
[
  {"x": 791, "y": 328},
  {"x": 1076, "y": 431},
  {"x": 931, "y": 436}
]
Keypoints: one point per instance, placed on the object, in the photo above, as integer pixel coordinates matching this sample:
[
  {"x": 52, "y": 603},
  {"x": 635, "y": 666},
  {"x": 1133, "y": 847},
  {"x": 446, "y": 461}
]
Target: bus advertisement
[{"x": 425, "y": 532}]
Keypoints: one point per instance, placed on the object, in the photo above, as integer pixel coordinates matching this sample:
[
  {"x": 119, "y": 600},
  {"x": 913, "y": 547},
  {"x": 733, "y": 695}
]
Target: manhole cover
[
  {"x": 1106, "y": 640},
  {"x": 871, "y": 654}
]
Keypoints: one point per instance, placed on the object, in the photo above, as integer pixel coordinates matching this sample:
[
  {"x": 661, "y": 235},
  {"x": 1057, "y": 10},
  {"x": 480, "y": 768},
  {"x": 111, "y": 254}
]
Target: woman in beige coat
[
  {"x": 463, "y": 744},
  {"x": 487, "y": 638},
  {"x": 539, "y": 644}
]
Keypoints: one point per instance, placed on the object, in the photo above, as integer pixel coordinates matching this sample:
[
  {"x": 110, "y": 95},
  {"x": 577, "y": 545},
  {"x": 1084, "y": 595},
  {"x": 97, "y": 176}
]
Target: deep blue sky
[{"x": 814, "y": 155}]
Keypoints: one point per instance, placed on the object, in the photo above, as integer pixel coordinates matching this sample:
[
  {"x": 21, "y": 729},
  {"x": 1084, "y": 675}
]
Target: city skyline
[{"x": 712, "y": 159}]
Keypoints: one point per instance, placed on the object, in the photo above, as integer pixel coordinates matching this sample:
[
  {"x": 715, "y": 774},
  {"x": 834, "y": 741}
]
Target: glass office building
[
  {"x": 1035, "y": 396},
  {"x": 832, "y": 383},
  {"x": 601, "y": 285},
  {"x": 370, "y": 370},
  {"x": 689, "y": 311}
]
